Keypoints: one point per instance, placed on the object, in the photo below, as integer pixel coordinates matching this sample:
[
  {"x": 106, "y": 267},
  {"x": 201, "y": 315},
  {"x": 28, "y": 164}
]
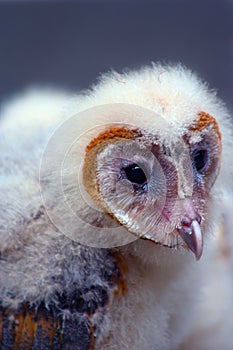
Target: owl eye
[
  {"x": 200, "y": 158},
  {"x": 135, "y": 174}
]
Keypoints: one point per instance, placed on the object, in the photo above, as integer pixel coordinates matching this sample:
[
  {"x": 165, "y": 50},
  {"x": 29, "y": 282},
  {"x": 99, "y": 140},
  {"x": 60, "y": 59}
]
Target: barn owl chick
[{"x": 105, "y": 205}]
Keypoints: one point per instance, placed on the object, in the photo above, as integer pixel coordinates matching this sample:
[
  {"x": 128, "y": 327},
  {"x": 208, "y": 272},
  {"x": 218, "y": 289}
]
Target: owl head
[{"x": 151, "y": 154}]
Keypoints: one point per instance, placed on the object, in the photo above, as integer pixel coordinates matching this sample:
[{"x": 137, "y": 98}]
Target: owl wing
[{"x": 74, "y": 318}]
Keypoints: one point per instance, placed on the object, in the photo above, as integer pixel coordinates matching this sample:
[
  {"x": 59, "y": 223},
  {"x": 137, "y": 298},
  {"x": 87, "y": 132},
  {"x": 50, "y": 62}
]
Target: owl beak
[{"x": 190, "y": 232}]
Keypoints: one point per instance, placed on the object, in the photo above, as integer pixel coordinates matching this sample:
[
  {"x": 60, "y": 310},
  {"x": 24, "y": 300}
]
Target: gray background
[{"x": 69, "y": 43}]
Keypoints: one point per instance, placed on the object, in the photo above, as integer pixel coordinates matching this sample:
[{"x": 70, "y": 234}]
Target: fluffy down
[{"x": 172, "y": 301}]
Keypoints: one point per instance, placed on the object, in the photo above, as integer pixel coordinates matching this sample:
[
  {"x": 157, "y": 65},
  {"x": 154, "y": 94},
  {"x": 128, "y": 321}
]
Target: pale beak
[{"x": 191, "y": 234}]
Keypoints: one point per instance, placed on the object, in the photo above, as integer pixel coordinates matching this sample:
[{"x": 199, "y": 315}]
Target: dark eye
[
  {"x": 200, "y": 158},
  {"x": 135, "y": 174}
]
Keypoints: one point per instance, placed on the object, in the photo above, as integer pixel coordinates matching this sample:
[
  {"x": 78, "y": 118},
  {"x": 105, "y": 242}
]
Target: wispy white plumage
[{"x": 153, "y": 152}]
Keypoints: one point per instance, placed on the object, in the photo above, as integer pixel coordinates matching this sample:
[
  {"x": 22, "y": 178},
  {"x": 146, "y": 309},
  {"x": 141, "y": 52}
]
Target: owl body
[{"x": 95, "y": 293}]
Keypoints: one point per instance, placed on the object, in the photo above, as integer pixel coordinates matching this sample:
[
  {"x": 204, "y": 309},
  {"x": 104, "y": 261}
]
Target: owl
[{"x": 115, "y": 221}]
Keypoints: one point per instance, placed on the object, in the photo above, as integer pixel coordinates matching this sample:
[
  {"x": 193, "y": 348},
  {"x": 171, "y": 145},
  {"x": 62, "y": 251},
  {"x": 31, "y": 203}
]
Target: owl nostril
[{"x": 186, "y": 222}]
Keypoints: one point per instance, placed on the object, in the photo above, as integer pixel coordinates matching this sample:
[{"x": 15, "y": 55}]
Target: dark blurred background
[{"x": 69, "y": 43}]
